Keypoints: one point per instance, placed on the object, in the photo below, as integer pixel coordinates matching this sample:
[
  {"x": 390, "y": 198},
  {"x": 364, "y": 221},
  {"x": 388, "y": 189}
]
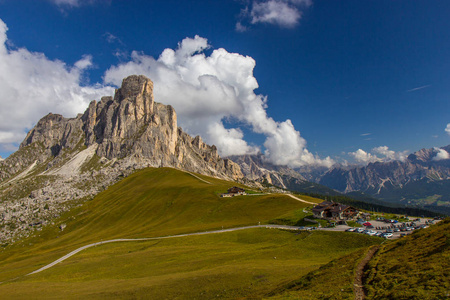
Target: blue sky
[{"x": 358, "y": 80}]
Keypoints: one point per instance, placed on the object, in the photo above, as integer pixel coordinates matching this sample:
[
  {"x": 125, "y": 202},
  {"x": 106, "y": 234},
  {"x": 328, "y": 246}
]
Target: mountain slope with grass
[
  {"x": 413, "y": 267},
  {"x": 160, "y": 202}
]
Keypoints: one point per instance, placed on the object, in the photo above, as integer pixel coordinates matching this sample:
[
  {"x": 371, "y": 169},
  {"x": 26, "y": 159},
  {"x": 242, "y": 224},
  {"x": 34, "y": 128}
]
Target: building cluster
[
  {"x": 234, "y": 191},
  {"x": 337, "y": 212}
]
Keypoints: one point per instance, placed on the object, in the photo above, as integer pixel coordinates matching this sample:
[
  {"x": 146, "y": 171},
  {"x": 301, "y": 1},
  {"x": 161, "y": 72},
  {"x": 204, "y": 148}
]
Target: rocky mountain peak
[
  {"x": 75, "y": 158},
  {"x": 135, "y": 86},
  {"x": 423, "y": 155},
  {"x": 131, "y": 127}
]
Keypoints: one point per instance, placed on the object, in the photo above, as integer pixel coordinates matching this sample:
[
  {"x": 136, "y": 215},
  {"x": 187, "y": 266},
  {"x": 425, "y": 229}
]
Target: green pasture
[
  {"x": 149, "y": 203},
  {"x": 248, "y": 263}
]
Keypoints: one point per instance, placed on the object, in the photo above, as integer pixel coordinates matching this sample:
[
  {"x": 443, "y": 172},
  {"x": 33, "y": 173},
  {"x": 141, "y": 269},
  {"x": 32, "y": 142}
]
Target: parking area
[{"x": 387, "y": 229}]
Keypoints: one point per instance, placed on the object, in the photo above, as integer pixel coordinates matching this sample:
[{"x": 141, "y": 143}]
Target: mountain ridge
[
  {"x": 422, "y": 179},
  {"x": 66, "y": 160}
]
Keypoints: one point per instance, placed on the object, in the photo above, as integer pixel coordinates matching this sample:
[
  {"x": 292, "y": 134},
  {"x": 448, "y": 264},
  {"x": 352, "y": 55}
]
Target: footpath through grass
[{"x": 414, "y": 267}]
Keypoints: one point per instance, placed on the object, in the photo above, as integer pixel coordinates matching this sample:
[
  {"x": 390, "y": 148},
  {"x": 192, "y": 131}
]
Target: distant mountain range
[
  {"x": 256, "y": 168},
  {"x": 422, "y": 180}
]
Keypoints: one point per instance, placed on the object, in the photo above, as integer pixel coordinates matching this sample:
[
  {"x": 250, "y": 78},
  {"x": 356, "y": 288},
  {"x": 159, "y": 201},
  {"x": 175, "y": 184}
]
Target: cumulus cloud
[
  {"x": 363, "y": 157},
  {"x": 284, "y": 13},
  {"x": 389, "y": 155},
  {"x": 381, "y": 154},
  {"x": 31, "y": 86},
  {"x": 447, "y": 129},
  {"x": 207, "y": 90},
  {"x": 441, "y": 154}
]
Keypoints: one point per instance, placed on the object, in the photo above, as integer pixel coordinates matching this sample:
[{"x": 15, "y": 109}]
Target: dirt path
[
  {"x": 359, "y": 285},
  {"x": 301, "y": 200},
  {"x": 201, "y": 179}
]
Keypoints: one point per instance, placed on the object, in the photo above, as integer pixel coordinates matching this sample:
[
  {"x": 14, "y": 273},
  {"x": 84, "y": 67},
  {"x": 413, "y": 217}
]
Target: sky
[{"x": 305, "y": 82}]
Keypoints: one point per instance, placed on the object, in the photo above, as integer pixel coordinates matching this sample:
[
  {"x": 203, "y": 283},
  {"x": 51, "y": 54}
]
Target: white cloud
[
  {"x": 275, "y": 12},
  {"x": 381, "y": 154},
  {"x": 390, "y": 155},
  {"x": 363, "y": 157},
  {"x": 72, "y": 3},
  {"x": 284, "y": 13},
  {"x": 111, "y": 38},
  {"x": 75, "y": 3},
  {"x": 447, "y": 129},
  {"x": 418, "y": 88},
  {"x": 205, "y": 90},
  {"x": 441, "y": 155},
  {"x": 31, "y": 86}
]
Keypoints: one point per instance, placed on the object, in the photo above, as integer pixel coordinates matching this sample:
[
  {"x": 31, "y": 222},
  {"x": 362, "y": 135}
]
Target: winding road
[{"x": 158, "y": 238}]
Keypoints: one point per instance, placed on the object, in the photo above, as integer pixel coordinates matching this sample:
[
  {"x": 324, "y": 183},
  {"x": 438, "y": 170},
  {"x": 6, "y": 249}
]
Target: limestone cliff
[
  {"x": 134, "y": 128},
  {"x": 65, "y": 159}
]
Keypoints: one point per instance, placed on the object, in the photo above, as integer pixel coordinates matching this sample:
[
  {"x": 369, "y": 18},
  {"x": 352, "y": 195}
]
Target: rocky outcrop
[
  {"x": 133, "y": 128},
  {"x": 66, "y": 159}
]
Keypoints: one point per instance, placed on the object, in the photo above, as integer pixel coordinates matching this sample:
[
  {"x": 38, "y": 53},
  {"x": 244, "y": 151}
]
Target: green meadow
[{"x": 161, "y": 202}]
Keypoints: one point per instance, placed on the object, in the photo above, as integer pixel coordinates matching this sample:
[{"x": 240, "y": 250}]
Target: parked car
[
  {"x": 387, "y": 235},
  {"x": 351, "y": 229},
  {"x": 367, "y": 224},
  {"x": 370, "y": 232}
]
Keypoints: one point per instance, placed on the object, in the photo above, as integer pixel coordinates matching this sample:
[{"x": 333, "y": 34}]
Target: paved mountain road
[{"x": 158, "y": 238}]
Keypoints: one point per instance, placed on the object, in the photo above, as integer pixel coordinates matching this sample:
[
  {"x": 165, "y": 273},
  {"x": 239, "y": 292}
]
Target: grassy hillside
[
  {"x": 233, "y": 265},
  {"x": 332, "y": 281},
  {"x": 151, "y": 202},
  {"x": 415, "y": 267},
  {"x": 160, "y": 202}
]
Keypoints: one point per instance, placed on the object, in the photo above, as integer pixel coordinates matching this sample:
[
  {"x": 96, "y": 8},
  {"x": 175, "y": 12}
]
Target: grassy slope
[
  {"x": 415, "y": 267},
  {"x": 331, "y": 281},
  {"x": 158, "y": 202},
  {"x": 151, "y": 202},
  {"x": 229, "y": 265}
]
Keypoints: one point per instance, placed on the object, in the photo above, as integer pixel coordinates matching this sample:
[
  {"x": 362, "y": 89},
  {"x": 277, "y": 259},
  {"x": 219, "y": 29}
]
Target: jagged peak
[
  {"x": 51, "y": 117},
  {"x": 133, "y": 86}
]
